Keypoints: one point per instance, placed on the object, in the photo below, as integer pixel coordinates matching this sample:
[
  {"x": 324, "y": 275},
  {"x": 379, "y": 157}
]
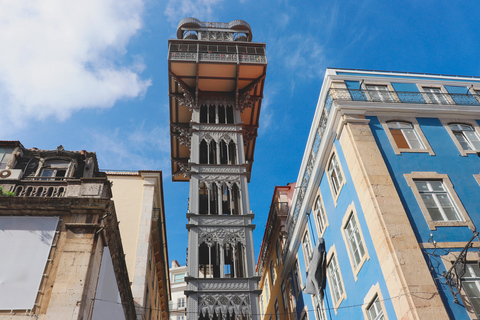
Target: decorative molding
[
  {"x": 218, "y": 136},
  {"x": 183, "y": 135},
  {"x": 221, "y": 235},
  {"x": 216, "y": 101},
  {"x": 188, "y": 97},
  {"x": 249, "y": 135},
  {"x": 243, "y": 97},
  {"x": 221, "y": 285},
  {"x": 183, "y": 168},
  {"x": 228, "y": 179},
  {"x": 226, "y": 169},
  {"x": 234, "y": 304},
  {"x": 217, "y": 221}
]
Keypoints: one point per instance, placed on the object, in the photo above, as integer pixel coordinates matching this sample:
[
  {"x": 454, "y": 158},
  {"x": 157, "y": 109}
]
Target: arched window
[
  {"x": 221, "y": 114},
  {"x": 232, "y": 152},
  {"x": 404, "y": 135},
  {"x": 223, "y": 152},
  {"x": 203, "y": 152},
  {"x": 203, "y": 199},
  {"x": 230, "y": 118},
  {"x": 211, "y": 114},
  {"x": 212, "y": 152},
  {"x": 203, "y": 114}
]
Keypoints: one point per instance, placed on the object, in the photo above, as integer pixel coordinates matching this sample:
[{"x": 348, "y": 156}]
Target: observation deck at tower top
[{"x": 216, "y": 61}]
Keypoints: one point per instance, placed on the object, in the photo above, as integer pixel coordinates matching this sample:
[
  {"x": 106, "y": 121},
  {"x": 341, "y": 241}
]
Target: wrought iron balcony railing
[{"x": 404, "y": 97}]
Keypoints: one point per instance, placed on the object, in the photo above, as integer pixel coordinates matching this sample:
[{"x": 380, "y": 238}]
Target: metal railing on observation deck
[{"x": 230, "y": 52}]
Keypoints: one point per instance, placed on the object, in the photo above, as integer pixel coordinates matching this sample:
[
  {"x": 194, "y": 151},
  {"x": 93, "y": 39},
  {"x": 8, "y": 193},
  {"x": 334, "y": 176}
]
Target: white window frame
[
  {"x": 297, "y": 278},
  {"x": 69, "y": 170},
  {"x": 335, "y": 279},
  {"x": 476, "y": 128},
  {"x": 374, "y": 294},
  {"x": 181, "y": 303},
  {"x": 472, "y": 257},
  {"x": 440, "y": 98},
  {"x": 352, "y": 217},
  {"x": 319, "y": 306},
  {"x": 413, "y": 121},
  {"x": 432, "y": 224},
  {"x": 272, "y": 273},
  {"x": 262, "y": 308},
  {"x": 266, "y": 285},
  {"x": 278, "y": 253},
  {"x": 387, "y": 95},
  {"x": 307, "y": 247},
  {"x": 336, "y": 184},
  {"x": 321, "y": 219},
  {"x": 6, "y": 156}
]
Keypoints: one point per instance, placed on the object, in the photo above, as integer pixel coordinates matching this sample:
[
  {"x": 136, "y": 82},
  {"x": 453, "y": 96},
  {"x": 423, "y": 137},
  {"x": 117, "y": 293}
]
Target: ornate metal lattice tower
[{"x": 216, "y": 80}]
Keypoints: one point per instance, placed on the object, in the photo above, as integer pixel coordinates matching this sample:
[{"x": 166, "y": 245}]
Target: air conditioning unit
[{"x": 11, "y": 174}]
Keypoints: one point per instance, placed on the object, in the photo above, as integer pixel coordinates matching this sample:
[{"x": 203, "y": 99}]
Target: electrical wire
[{"x": 291, "y": 313}]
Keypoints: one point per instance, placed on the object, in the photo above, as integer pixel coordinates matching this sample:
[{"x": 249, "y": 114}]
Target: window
[
  {"x": 319, "y": 308},
  {"x": 404, "y": 135},
  {"x": 260, "y": 298},
  {"x": 179, "y": 277},
  {"x": 466, "y": 136},
  {"x": 267, "y": 289},
  {"x": 5, "y": 155},
  {"x": 277, "y": 310},
  {"x": 278, "y": 253},
  {"x": 307, "y": 247},
  {"x": 436, "y": 95},
  {"x": 181, "y": 303},
  {"x": 335, "y": 174},
  {"x": 438, "y": 200},
  {"x": 335, "y": 279},
  {"x": 180, "y": 317},
  {"x": 379, "y": 93},
  {"x": 284, "y": 295},
  {"x": 320, "y": 216},
  {"x": 296, "y": 278},
  {"x": 54, "y": 169},
  {"x": 354, "y": 240},
  {"x": 374, "y": 310},
  {"x": 272, "y": 273}
]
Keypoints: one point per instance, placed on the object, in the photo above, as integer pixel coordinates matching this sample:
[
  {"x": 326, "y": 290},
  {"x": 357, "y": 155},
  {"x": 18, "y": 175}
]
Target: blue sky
[{"x": 93, "y": 75}]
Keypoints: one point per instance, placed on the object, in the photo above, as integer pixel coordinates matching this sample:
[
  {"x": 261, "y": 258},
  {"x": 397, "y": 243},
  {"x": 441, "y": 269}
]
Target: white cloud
[
  {"x": 302, "y": 54},
  {"x": 133, "y": 149},
  {"x": 60, "y": 56},
  {"x": 201, "y": 9}
]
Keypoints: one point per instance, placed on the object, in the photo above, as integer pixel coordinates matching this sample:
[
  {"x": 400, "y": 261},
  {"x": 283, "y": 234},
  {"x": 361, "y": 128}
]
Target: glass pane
[
  {"x": 436, "y": 185},
  {"x": 463, "y": 142},
  {"x": 412, "y": 138},
  {"x": 473, "y": 138},
  {"x": 58, "y": 164},
  {"x": 421, "y": 185},
  {"x": 473, "y": 293}
]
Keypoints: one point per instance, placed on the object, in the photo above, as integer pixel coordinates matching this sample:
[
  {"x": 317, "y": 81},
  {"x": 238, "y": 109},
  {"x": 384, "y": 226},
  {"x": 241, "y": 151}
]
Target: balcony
[
  {"x": 234, "y": 53},
  {"x": 386, "y": 96},
  {"x": 56, "y": 187}
]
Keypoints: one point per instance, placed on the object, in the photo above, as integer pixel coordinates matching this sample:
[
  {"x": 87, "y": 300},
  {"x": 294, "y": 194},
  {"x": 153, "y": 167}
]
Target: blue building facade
[{"x": 390, "y": 179}]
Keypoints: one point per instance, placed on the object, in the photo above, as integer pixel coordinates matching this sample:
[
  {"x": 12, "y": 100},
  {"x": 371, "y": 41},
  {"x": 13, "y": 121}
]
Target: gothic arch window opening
[
  {"x": 216, "y": 114},
  {"x": 230, "y": 199},
  {"x": 208, "y": 152},
  {"x": 217, "y": 260},
  {"x": 228, "y": 152}
]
